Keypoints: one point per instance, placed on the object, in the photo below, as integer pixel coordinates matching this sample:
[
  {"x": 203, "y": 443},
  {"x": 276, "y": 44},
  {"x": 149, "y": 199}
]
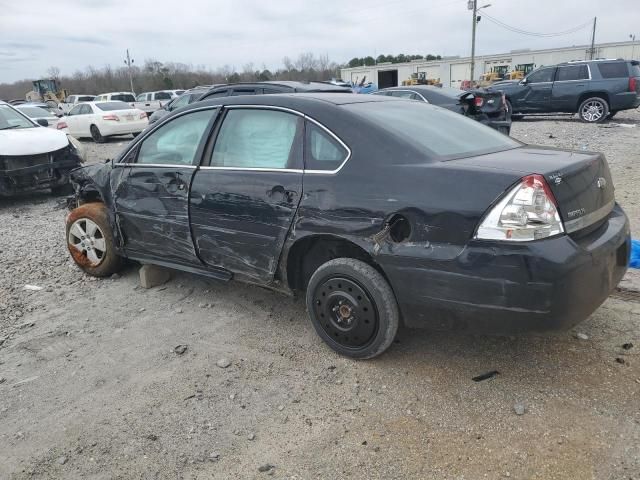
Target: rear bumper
[
  {"x": 624, "y": 101},
  {"x": 500, "y": 288},
  {"x": 123, "y": 128}
]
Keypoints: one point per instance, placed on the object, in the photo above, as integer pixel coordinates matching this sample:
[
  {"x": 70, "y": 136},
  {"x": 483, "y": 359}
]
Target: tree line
[
  {"x": 155, "y": 75},
  {"x": 401, "y": 58}
]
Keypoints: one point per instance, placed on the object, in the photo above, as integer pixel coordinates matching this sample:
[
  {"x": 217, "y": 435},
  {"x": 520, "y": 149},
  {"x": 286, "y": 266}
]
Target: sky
[{"x": 73, "y": 34}]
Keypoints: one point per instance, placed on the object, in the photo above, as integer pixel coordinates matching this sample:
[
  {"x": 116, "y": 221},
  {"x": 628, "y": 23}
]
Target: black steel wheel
[
  {"x": 352, "y": 308},
  {"x": 96, "y": 135}
]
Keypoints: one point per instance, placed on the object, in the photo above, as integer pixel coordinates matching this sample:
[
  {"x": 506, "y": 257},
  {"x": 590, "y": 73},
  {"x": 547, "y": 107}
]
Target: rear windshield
[
  {"x": 87, "y": 98},
  {"x": 123, "y": 97},
  {"x": 451, "y": 92},
  {"x": 441, "y": 133},
  {"x": 613, "y": 70},
  {"x": 109, "y": 106}
]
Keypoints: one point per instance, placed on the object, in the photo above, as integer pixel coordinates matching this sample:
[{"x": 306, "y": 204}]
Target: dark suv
[
  {"x": 259, "y": 88},
  {"x": 594, "y": 89}
]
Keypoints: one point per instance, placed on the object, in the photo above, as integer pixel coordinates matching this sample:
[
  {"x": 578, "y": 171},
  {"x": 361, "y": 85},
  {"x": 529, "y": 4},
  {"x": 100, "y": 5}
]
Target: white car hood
[{"x": 31, "y": 141}]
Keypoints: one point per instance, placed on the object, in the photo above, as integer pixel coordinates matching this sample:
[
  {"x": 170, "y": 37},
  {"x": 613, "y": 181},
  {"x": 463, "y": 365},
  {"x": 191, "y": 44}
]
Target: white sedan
[{"x": 99, "y": 120}]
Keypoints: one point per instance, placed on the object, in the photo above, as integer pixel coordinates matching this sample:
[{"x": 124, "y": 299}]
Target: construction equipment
[
  {"x": 47, "y": 91},
  {"x": 496, "y": 74},
  {"x": 519, "y": 72},
  {"x": 420, "y": 78}
]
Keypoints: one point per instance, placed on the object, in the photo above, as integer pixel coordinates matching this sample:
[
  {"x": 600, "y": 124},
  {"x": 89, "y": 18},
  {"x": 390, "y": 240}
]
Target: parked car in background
[
  {"x": 39, "y": 115},
  {"x": 100, "y": 120},
  {"x": 128, "y": 97},
  {"x": 186, "y": 98},
  {"x": 483, "y": 105},
  {"x": 378, "y": 208},
  {"x": 71, "y": 101},
  {"x": 259, "y": 88},
  {"x": 594, "y": 89},
  {"x": 150, "y": 102},
  {"x": 32, "y": 157}
]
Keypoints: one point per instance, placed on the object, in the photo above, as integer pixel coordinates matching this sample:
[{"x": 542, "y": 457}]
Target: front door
[
  {"x": 245, "y": 195},
  {"x": 537, "y": 92},
  {"x": 152, "y": 205}
]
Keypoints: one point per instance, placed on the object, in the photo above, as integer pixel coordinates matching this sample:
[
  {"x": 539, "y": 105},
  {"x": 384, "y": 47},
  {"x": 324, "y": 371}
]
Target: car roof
[
  {"x": 115, "y": 93},
  {"x": 295, "y": 100},
  {"x": 299, "y": 86}
]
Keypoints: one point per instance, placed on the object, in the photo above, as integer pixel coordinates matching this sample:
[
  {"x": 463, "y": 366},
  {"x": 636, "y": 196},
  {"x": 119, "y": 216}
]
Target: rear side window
[
  {"x": 572, "y": 72},
  {"x": 85, "y": 99},
  {"x": 613, "y": 70},
  {"x": 243, "y": 91},
  {"x": 322, "y": 150},
  {"x": 163, "y": 96},
  {"x": 258, "y": 139},
  {"x": 123, "y": 97}
]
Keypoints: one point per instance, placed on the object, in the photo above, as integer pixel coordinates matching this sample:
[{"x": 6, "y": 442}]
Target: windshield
[
  {"x": 441, "y": 133},
  {"x": 36, "y": 112},
  {"x": 110, "y": 106},
  {"x": 123, "y": 97},
  {"x": 10, "y": 118}
]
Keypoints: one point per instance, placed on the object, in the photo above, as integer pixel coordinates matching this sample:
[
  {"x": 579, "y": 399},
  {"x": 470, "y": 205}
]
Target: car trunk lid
[
  {"x": 483, "y": 101},
  {"x": 580, "y": 181}
]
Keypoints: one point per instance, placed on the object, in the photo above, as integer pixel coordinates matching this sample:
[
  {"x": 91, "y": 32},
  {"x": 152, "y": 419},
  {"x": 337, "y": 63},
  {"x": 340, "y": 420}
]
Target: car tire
[
  {"x": 593, "y": 110},
  {"x": 90, "y": 240},
  {"x": 352, "y": 308},
  {"x": 96, "y": 135}
]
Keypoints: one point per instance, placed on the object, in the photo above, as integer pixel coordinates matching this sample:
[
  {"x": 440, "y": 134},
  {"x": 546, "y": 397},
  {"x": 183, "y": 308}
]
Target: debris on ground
[
  {"x": 223, "y": 363},
  {"x": 62, "y": 460},
  {"x": 582, "y": 336},
  {"x": 621, "y": 360},
  {"x": 33, "y": 288},
  {"x": 627, "y": 346},
  {"x": 266, "y": 467},
  {"x": 485, "y": 376},
  {"x": 520, "y": 408},
  {"x": 180, "y": 349}
]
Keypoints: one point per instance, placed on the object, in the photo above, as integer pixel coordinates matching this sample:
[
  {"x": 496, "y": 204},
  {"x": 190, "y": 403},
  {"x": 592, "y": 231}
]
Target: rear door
[
  {"x": 536, "y": 95},
  {"x": 152, "y": 205},
  {"x": 570, "y": 82},
  {"x": 72, "y": 121},
  {"x": 244, "y": 197}
]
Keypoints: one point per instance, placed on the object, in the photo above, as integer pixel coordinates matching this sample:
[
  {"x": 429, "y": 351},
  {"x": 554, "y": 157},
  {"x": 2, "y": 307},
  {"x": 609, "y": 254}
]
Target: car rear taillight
[
  {"x": 143, "y": 115},
  {"x": 528, "y": 211},
  {"x": 111, "y": 117},
  {"x": 61, "y": 125},
  {"x": 478, "y": 101},
  {"x": 632, "y": 84}
]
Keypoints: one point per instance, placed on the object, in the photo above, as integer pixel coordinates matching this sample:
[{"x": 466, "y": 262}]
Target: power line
[{"x": 534, "y": 34}]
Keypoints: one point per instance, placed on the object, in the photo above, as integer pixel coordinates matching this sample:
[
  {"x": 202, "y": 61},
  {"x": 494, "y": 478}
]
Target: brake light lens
[
  {"x": 111, "y": 117},
  {"x": 528, "y": 211},
  {"x": 60, "y": 125},
  {"x": 632, "y": 84},
  {"x": 478, "y": 101}
]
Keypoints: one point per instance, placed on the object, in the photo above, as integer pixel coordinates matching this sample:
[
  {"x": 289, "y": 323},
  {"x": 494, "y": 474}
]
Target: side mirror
[{"x": 42, "y": 122}]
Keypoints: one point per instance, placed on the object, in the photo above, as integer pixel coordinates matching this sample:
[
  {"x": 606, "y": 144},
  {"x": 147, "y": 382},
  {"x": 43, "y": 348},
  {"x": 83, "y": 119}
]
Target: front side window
[
  {"x": 141, "y": 97},
  {"x": 572, "y": 72},
  {"x": 220, "y": 93},
  {"x": 176, "y": 142},
  {"x": 322, "y": 151},
  {"x": 541, "y": 75},
  {"x": 252, "y": 138},
  {"x": 404, "y": 94},
  {"x": 243, "y": 91},
  {"x": 179, "y": 102}
]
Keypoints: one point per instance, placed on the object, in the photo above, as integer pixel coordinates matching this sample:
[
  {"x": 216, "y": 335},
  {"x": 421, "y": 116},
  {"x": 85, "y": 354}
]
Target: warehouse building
[{"x": 453, "y": 70}]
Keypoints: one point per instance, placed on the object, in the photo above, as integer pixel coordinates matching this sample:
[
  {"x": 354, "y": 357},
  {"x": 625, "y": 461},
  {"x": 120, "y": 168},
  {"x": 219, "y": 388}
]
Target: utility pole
[
  {"x": 593, "y": 39},
  {"x": 128, "y": 63},
  {"x": 633, "y": 45},
  {"x": 473, "y": 5}
]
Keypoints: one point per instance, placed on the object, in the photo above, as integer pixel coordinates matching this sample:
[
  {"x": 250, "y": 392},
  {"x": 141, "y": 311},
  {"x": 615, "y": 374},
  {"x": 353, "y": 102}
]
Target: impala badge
[{"x": 602, "y": 182}]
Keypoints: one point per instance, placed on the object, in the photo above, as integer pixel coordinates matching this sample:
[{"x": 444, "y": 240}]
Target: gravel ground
[{"x": 92, "y": 386}]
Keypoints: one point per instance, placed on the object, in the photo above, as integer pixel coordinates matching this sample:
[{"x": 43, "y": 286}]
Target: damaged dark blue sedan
[{"x": 382, "y": 210}]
